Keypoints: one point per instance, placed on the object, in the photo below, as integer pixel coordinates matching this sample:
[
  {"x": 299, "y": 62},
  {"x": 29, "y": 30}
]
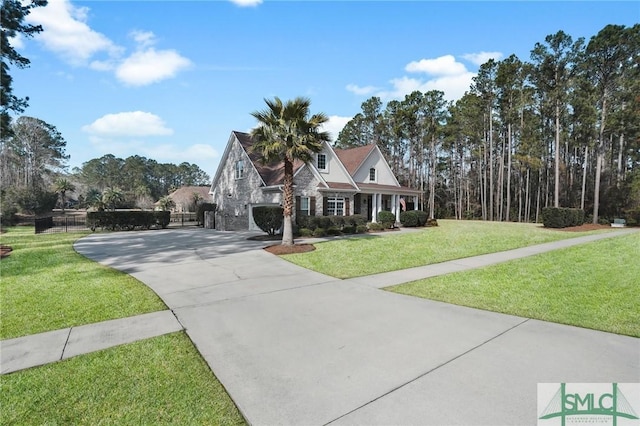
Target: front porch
[{"x": 370, "y": 204}]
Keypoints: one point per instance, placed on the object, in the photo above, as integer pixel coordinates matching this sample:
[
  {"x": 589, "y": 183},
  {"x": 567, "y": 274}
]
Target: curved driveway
[{"x": 296, "y": 347}]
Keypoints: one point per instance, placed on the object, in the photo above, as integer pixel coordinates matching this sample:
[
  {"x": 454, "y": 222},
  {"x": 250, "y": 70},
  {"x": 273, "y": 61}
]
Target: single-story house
[{"x": 339, "y": 182}]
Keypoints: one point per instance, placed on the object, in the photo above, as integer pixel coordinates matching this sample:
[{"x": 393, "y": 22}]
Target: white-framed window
[
  {"x": 372, "y": 174},
  {"x": 305, "y": 206},
  {"x": 322, "y": 162},
  {"x": 335, "y": 206},
  {"x": 239, "y": 169}
]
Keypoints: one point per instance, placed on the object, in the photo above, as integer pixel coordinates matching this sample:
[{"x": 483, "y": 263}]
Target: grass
[
  {"x": 47, "y": 286},
  {"x": 593, "y": 285},
  {"x": 156, "y": 381},
  {"x": 368, "y": 255}
]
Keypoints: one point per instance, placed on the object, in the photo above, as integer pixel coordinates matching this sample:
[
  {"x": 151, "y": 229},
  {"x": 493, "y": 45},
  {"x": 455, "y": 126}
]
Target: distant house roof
[
  {"x": 273, "y": 173},
  {"x": 184, "y": 195}
]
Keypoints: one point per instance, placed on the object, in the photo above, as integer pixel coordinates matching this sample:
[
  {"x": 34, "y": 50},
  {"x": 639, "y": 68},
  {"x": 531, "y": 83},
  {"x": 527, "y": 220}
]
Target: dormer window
[
  {"x": 372, "y": 174},
  {"x": 239, "y": 169},
  {"x": 322, "y": 162}
]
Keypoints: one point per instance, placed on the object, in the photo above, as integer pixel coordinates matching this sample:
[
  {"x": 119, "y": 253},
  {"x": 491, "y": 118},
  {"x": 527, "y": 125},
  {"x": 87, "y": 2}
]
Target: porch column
[
  {"x": 374, "y": 208},
  {"x": 415, "y": 202},
  {"x": 379, "y": 203},
  {"x": 398, "y": 209}
]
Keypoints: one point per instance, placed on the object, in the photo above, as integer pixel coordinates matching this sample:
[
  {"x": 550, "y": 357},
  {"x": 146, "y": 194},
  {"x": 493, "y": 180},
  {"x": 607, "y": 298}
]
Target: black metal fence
[
  {"x": 183, "y": 219},
  {"x": 51, "y": 224}
]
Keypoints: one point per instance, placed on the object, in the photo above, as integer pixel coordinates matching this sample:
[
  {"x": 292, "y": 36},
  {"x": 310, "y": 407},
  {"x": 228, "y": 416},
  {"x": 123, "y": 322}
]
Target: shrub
[
  {"x": 320, "y": 222},
  {"x": 127, "y": 220},
  {"x": 305, "y": 232},
  {"x": 30, "y": 200},
  {"x": 561, "y": 217},
  {"x": 386, "y": 218},
  {"x": 432, "y": 222},
  {"x": 8, "y": 211},
  {"x": 349, "y": 229},
  {"x": 409, "y": 218},
  {"x": 304, "y": 221},
  {"x": 268, "y": 218},
  {"x": 632, "y": 216},
  {"x": 336, "y": 221},
  {"x": 422, "y": 217},
  {"x": 361, "y": 229},
  {"x": 319, "y": 232},
  {"x": 373, "y": 226},
  {"x": 204, "y": 207},
  {"x": 334, "y": 231},
  {"x": 356, "y": 220}
]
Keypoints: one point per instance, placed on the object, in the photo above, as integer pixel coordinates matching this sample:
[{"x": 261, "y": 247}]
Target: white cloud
[
  {"x": 480, "y": 58},
  {"x": 443, "y": 73},
  {"x": 17, "y": 42},
  {"x": 150, "y": 66},
  {"x": 143, "y": 38},
  {"x": 136, "y": 123},
  {"x": 335, "y": 124},
  {"x": 443, "y": 65},
  {"x": 66, "y": 32},
  {"x": 366, "y": 90},
  {"x": 246, "y": 3}
]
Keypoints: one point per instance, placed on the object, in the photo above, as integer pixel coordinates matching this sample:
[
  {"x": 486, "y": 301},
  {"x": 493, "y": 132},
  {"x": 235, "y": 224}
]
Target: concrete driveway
[{"x": 296, "y": 347}]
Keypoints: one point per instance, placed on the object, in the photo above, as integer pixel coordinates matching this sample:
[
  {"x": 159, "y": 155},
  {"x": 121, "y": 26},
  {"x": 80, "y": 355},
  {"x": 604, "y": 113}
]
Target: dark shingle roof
[
  {"x": 272, "y": 173},
  {"x": 352, "y": 158}
]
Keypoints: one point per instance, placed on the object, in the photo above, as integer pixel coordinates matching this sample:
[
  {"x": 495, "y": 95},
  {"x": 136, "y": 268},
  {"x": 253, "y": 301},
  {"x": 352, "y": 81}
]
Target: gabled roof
[
  {"x": 352, "y": 158},
  {"x": 273, "y": 173},
  {"x": 185, "y": 193}
]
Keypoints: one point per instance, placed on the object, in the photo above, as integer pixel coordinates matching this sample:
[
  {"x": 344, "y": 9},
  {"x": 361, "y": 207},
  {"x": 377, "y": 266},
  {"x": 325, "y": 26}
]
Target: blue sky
[{"x": 170, "y": 80}]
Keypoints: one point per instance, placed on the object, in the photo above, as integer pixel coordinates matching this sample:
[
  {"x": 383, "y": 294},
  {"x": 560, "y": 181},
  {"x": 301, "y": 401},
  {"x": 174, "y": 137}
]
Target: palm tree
[
  {"x": 286, "y": 133},
  {"x": 112, "y": 196},
  {"x": 61, "y": 186},
  {"x": 166, "y": 203}
]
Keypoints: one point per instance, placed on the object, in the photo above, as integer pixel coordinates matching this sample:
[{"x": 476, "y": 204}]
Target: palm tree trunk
[{"x": 287, "y": 205}]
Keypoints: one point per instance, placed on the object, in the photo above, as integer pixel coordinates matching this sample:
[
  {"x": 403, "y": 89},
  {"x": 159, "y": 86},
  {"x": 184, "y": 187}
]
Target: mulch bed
[
  {"x": 4, "y": 251},
  {"x": 279, "y": 249}
]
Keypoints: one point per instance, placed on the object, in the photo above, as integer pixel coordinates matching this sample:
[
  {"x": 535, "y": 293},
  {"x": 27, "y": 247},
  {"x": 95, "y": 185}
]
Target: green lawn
[
  {"x": 46, "y": 286},
  {"x": 368, "y": 255},
  {"x": 156, "y": 381},
  {"x": 595, "y": 285}
]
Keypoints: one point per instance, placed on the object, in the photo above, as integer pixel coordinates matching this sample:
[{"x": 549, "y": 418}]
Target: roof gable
[
  {"x": 353, "y": 158},
  {"x": 272, "y": 173}
]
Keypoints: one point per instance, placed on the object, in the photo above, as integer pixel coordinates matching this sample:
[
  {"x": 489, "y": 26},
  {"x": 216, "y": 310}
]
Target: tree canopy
[
  {"x": 562, "y": 129},
  {"x": 287, "y": 132}
]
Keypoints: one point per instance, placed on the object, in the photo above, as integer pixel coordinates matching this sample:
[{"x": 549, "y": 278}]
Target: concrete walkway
[{"x": 292, "y": 346}]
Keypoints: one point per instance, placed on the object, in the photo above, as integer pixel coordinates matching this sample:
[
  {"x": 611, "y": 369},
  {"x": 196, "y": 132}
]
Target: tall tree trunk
[
  {"x": 584, "y": 176},
  {"x": 620, "y": 159},
  {"x": 599, "y": 160},
  {"x": 432, "y": 177},
  {"x": 491, "y": 163},
  {"x": 556, "y": 188},
  {"x": 509, "y": 144},
  {"x": 287, "y": 205}
]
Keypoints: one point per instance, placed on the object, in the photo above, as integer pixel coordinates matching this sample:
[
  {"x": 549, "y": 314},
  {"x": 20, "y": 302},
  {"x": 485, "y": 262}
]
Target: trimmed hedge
[
  {"x": 409, "y": 219},
  {"x": 127, "y": 220},
  {"x": 562, "y": 217},
  {"x": 268, "y": 218},
  {"x": 386, "y": 218},
  {"x": 422, "y": 217}
]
